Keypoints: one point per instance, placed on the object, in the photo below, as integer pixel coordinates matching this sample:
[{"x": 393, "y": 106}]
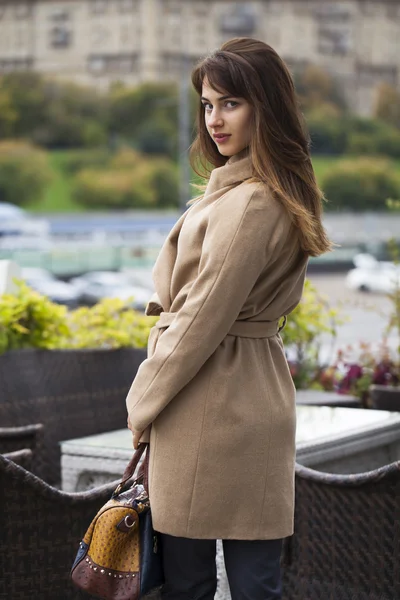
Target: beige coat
[{"x": 216, "y": 385}]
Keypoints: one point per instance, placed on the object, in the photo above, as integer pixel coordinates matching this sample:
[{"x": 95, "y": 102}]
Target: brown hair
[{"x": 279, "y": 147}]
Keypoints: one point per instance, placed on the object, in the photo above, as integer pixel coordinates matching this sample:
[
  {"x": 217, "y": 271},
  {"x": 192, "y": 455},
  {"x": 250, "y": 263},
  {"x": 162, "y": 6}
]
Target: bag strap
[
  {"x": 144, "y": 469},
  {"x": 131, "y": 468}
]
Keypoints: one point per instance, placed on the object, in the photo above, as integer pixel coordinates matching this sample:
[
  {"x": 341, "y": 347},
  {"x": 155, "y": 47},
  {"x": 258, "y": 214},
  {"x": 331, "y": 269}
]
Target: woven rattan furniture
[
  {"x": 13, "y": 439},
  {"x": 23, "y": 457},
  {"x": 346, "y": 544},
  {"x": 74, "y": 393},
  {"x": 41, "y": 528}
]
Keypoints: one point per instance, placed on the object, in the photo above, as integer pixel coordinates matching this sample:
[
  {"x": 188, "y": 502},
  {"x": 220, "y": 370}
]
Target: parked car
[
  {"x": 96, "y": 285},
  {"x": 47, "y": 284},
  {"x": 11, "y": 218},
  {"x": 17, "y": 221},
  {"x": 371, "y": 275}
]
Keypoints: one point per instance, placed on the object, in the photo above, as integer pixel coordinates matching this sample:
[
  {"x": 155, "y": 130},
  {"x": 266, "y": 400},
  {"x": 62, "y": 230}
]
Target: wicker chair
[
  {"x": 40, "y": 532},
  {"x": 346, "y": 544},
  {"x": 23, "y": 457},
  {"x": 16, "y": 438},
  {"x": 74, "y": 393}
]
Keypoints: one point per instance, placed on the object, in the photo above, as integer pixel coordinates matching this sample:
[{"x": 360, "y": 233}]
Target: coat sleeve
[{"x": 241, "y": 239}]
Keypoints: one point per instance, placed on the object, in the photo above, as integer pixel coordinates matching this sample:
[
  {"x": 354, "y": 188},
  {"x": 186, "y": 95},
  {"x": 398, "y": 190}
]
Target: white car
[
  {"x": 15, "y": 221},
  {"x": 45, "y": 283},
  {"x": 371, "y": 275},
  {"x": 96, "y": 285}
]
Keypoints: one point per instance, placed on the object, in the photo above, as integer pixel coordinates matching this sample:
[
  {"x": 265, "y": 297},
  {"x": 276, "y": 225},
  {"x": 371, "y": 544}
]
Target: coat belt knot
[{"x": 246, "y": 329}]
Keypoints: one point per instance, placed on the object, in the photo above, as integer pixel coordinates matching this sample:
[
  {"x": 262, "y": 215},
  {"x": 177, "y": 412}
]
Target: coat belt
[{"x": 247, "y": 329}]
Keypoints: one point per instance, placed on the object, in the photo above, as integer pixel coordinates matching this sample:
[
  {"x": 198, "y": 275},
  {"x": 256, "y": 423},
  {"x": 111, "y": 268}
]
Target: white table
[{"x": 335, "y": 439}]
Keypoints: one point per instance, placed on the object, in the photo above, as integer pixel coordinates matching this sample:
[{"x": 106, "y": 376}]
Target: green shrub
[
  {"x": 328, "y": 133},
  {"x": 385, "y": 144},
  {"x": 74, "y": 161},
  {"x": 24, "y": 172},
  {"x": 157, "y": 136},
  {"x": 131, "y": 181},
  {"x": 30, "y": 320},
  {"x": 56, "y": 114},
  {"x": 361, "y": 184},
  {"x": 164, "y": 181},
  {"x": 109, "y": 324},
  {"x": 311, "y": 319},
  {"x": 114, "y": 189}
]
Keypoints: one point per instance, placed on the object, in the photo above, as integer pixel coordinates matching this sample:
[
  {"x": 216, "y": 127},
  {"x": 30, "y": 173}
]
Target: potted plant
[
  {"x": 69, "y": 370},
  {"x": 302, "y": 335},
  {"x": 357, "y": 371},
  {"x": 385, "y": 394}
]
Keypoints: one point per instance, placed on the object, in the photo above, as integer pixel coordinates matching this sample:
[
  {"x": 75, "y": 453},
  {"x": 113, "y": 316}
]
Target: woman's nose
[{"x": 215, "y": 119}]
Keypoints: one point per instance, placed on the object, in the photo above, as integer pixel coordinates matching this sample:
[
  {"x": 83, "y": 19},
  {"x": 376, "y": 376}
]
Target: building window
[
  {"x": 60, "y": 37},
  {"x": 333, "y": 41},
  {"x": 22, "y": 10},
  {"x": 370, "y": 75},
  {"x": 108, "y": 64},
  {"x": 331, "y": 12},
  {"x": 60, "y": 30},
  {"x": 17, "y": 64},
  {"x": 99, "y": 7}
]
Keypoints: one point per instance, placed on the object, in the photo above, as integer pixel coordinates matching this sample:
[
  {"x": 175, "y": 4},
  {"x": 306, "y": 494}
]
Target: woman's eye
[
  {"x": 232, "y": 103},
  {"x": 207, "y": 107}
]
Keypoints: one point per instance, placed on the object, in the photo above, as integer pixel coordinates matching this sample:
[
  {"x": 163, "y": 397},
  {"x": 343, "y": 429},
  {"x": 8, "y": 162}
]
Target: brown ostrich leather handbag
[{"x": 119, "y": 557}]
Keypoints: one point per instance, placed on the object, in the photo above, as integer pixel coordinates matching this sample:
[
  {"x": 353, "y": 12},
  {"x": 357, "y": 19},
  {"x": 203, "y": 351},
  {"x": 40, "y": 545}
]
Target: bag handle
[{"x": 131, "y": 468}]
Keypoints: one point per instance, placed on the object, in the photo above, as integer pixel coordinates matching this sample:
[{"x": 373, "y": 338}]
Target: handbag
[{"x": 119, "y": 557}]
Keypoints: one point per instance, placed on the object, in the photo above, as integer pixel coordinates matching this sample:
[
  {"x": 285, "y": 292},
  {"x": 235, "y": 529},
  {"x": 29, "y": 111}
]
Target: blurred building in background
[{"x": 101, "y": 41}]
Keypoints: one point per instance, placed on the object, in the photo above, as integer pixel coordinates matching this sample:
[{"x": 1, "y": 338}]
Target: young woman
[{"x": 216, "y": 388}]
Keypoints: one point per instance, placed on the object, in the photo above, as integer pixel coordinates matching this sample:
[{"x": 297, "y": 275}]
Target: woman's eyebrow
[{"x": 218, "y": 99}]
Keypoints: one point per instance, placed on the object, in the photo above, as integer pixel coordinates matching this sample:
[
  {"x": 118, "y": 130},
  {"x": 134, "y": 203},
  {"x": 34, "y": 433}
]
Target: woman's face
[{"x": 228, "y": 120}]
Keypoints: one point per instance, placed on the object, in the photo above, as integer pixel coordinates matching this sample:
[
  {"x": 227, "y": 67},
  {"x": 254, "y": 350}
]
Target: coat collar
[{"x": 237, "y": 169}]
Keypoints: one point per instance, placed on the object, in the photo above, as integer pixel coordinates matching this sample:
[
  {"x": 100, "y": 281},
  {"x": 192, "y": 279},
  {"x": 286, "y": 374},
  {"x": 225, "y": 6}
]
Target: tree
[
  {"x": 147, "y": 112},
  {"x": 8, "y": 114},
  {"x": 317, "y": 89},
  {"x": 361, "y": 184},
  {"x": 387, "y": 105},
  {"x": 24, "y": 172}
]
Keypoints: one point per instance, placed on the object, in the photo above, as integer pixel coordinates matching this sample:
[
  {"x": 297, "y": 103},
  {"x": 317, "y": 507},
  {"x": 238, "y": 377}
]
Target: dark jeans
[{"x": 252, "y": 567}]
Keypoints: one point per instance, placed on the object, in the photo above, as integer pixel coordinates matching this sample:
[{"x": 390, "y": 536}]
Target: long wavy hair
[{"x": 280, "y": 144}]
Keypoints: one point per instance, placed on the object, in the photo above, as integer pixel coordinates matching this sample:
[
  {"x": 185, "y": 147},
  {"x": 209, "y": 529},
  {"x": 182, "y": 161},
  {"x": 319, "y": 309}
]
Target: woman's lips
[{"x": 220, "y": 139}]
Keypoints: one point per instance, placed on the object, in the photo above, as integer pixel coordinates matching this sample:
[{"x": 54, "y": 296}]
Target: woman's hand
[{"x": 136, "y": 435}]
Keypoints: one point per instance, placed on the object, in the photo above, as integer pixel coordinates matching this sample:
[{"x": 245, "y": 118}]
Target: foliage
[
  {"x": 361, "y": 184},
  {"x": 8, "y": 114},
  {"x": 164, "y": 180},
  {"x": 74, "y": 161},
  {"x": 387, "y": 105},
  {"x": 24, "y": 172},
  {"x": 55, "y": 114},
  {"x": 312, "y": 318},
  {"x": 328, "y": 133},
  {"x": 130, "y": 181},
  {"x": 30, "y": 320},
  {"x": 157, "y": 136},
  {"x": 317, "y": 88},
  {"x": 373, "y": 137},
  {"x": 353, "y": 371},
  {"x": 147, "y": 114},
  {"x": 110, "y": 323},
  {"x": 112, "y": 189}
]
